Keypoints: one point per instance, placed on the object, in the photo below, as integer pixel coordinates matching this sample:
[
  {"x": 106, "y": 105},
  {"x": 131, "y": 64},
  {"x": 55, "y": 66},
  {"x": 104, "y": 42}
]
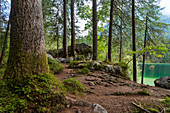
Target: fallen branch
[{"x": 140, "y": 107}]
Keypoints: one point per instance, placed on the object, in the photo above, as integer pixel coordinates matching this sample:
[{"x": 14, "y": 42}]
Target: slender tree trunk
[
  {"x": 110, "y": 32},
  {"x": 0, "y": 19},
  {"x": 5, "y": 44},
  {"x": 65, "y": 30},
  {"x": 134, "y": 42},
  {"x": 72, "y": 29},
  {"x": 57, "y": 35},
  {"x": 120, "y": 55},
  {"x": 27, "y": 44},
  {"x": 94, "y": 30},
  {"x": 143, "y": 66}
]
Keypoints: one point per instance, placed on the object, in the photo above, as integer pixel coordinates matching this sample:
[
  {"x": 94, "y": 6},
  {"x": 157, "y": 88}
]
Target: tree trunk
[
  {"x": 143, "y": 66},
  {"x": 5, "y": 43},
  {"x": 134, "y": 42},
  {"x": 94, "y": 30},
  {"x": 110, "y": 33},
  {"x": 120, "y": 55},
  {"x": 72, "y": 29},
  {"x": 57, "y": 35},
  {"x": 27, "y": 44},
  {"x": 0, "y": 19},
  {"x": 65, "y": 30}
]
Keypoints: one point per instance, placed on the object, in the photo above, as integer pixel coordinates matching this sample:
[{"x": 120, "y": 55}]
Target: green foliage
[
  {"x": 55, "y": 66},
  {"x": 84, "y": 71},
  {"x": 144, "y": 93},
  {"x": 166, "y": 101},
  {"x": 2, "y": 72},
  {"x": 31, "y": 93},
  {"x": 152, "y": 110},
  {"x": 80, "y": 57},
  {"x": 73, "y": 63},
  {"x": 74, "y": 86}
]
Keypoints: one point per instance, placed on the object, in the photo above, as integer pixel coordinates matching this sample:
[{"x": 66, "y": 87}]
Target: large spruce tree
[{"x": 27, "y": 45}]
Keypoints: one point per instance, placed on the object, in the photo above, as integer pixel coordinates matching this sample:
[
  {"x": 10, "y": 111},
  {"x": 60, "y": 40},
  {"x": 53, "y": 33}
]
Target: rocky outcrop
[
  {"x": 80, "y": 49},
  {"x": 163, "y": 82}
]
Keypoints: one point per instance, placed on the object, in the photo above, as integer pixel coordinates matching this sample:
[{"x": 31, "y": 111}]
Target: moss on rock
[
  {"x": 55, "y": 66},
  {"x": 84, "y": 71}
]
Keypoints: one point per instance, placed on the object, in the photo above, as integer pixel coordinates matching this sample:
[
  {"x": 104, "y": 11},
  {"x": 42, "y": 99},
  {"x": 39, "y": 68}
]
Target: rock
[
  {"x": 90, "y": 79},
  {"x": 163, "y": 82},
  {"x": 109, "y": 69},
  {"x": 80, "y": 49},
  {"x": 118, "y": 69},
  {"x": 91, "y": 84},
  {"x": 99, "y": 109},
  {"x": 83, "y": 103},
  {"x": 63, "y": 60},
  {"x": 68, "y": 59},
  {"x": 49, "y": 56}
]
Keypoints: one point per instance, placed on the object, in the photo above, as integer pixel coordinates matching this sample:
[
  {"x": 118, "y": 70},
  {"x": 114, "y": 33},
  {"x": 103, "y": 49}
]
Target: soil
[{"x": 113, "y": 93}]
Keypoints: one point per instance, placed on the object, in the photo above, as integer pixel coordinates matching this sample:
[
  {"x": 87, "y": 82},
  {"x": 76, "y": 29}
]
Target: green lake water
[{"x": 154, "y": 71}]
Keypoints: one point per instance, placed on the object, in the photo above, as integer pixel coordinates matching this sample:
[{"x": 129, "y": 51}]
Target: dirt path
[{"x": 114, "y": 94}]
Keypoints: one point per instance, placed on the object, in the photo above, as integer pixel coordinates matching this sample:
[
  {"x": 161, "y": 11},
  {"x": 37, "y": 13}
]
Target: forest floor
[{"x": 115, "y": 95}]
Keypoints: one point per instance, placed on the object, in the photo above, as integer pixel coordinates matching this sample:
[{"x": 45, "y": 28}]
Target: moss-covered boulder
[{"x": 55, "y": 66}]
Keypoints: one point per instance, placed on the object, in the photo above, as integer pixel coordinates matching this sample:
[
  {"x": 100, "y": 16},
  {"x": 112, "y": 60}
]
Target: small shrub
[
  {"x": 73, "y": 86},
  {"x": 84, "y": 71},
  {"x": 143, "y": 92},
  {"x": 55, "y": 66}
]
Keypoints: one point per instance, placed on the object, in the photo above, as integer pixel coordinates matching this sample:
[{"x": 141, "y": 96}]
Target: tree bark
[
  {"x": 110, "y": 32},
  {"x": 27, "y": 44},
  {"x": 65, "y": 30},
  {"x": 120, "y": 55},
  {"x": 94, "y": 30},
  {"x": 0, "y": 19},
  {"x": 134, "y": 42},
  {"x": 72, "y": 29},
  {"x": 57, "y": 35},
  {"x": 5, "y": 44},
  {"x": 143, "y": 65}
]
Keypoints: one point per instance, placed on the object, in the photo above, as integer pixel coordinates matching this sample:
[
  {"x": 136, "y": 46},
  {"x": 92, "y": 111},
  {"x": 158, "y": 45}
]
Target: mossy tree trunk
[{"x": 27, "y": 45}]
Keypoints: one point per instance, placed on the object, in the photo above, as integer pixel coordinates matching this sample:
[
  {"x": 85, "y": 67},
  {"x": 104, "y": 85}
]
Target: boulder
[
  {"x": 163, "y": 82},
  {"x": 99, "y": 109},
  {"x": 49, "y": 56},
  {"x": 80, "y": 49}
]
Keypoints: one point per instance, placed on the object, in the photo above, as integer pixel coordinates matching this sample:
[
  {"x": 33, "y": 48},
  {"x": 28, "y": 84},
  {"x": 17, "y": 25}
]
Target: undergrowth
[
  {"x": 31, "y": 93},
  {"x": 55, "y": 66},
  {"x": 84, "y": 71},
  {"x": 74, "y": 86}
]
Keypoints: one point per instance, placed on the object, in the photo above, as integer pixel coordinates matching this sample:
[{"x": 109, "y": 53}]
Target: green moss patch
[
  {"x": 55, "y": 66},
  {"x": 74, "y": 86},
  {"x": 31, "y": 93},
  {"x": 143, "y": 92},
  {"x": 84, "y": 71}
]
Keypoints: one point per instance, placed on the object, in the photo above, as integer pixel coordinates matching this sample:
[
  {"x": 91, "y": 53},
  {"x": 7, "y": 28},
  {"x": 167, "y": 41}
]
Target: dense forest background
[{"x": 158, "y": 36}]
